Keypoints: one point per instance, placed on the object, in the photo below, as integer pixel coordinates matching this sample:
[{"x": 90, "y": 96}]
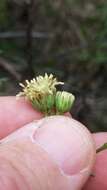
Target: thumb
[{"x": 54, "y": 153}]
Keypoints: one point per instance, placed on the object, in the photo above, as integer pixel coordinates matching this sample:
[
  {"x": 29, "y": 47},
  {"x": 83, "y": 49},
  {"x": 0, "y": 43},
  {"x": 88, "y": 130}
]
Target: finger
[
  {"x": 55, "y": 153},
  {"x": 99, "y": 182},
  {"x": 14, "y": 114}
]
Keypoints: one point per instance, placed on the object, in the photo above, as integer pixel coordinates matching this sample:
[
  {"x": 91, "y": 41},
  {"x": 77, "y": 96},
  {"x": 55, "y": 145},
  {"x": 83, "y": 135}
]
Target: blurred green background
[{"x": 65, "y": 37}]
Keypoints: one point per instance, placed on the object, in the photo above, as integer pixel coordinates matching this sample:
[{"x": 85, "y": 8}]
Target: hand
[{"x": 33, "y": 163}]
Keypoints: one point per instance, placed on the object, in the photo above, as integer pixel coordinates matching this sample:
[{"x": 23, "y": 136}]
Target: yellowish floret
[{"x": 39, "y": 86}]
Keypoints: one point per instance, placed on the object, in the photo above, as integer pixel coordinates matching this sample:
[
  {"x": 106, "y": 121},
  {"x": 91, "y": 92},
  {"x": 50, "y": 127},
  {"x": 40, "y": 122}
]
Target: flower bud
[{"x": 63, "y": 101}]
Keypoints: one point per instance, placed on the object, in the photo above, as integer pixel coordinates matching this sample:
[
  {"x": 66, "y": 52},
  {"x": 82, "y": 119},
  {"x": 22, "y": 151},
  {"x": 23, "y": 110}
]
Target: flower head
[
  {"x": 63, "y": 101},
  {"x": 39, "y": 86},
  {"x": 40, "y": 91}
]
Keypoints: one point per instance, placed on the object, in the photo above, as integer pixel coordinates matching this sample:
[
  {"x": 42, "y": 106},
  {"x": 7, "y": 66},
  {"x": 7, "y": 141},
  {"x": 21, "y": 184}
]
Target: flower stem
[{"x": 103, "y": 147}]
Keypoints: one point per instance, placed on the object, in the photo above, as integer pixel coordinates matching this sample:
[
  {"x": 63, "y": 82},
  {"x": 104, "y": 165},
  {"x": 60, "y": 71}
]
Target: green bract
[
  {"x": 44, "y": 103},
  {"x": 63, "y": 101}
]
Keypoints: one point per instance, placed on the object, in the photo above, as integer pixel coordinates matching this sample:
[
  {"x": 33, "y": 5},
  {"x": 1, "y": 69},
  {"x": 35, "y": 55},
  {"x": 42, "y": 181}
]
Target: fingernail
[{"x": 67, "y": 142}]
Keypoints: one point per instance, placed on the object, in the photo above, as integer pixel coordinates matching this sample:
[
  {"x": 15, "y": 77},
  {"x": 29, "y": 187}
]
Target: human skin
[{"x": 16, "y": 114}]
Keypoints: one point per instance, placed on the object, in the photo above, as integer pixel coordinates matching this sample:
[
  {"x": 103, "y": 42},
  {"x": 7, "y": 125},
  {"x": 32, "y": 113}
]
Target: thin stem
[{"x": 103, "y": 147}]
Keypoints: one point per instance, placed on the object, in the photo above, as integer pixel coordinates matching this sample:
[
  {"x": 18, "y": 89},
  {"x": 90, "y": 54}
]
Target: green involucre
[
  {"x": 44, "y": 103},
  {"x": 63, "y": 101}
]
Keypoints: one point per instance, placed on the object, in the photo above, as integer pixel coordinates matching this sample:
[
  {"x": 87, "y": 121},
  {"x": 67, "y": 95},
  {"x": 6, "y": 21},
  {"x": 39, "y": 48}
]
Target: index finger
[{"x": 14, "y": 114}]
